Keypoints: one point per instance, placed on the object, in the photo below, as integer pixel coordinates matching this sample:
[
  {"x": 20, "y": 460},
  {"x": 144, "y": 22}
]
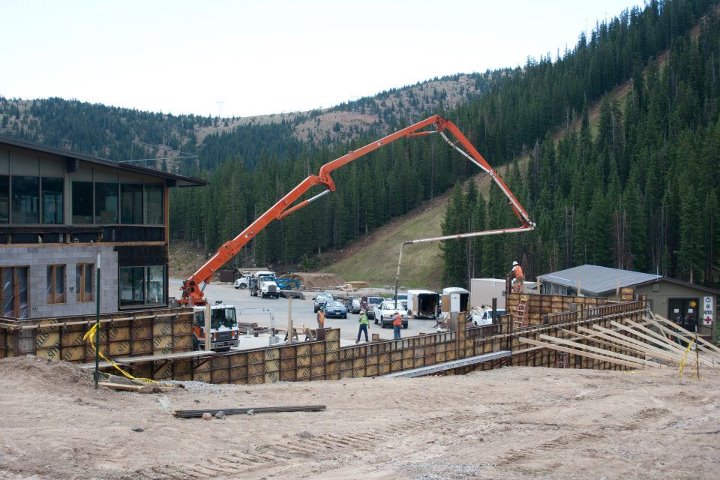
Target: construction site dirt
[{"x": 517, "y": 422}]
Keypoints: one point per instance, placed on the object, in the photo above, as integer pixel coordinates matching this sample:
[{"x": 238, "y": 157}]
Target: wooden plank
[
  {"x": 601, "y": 351},
  {"x": 247, "y": 411},
  {"x": 655, "y": 352},
  {"x": 663, "y": 344},
  {"x": 705, "y": 344},
  {"x": 128, "y": 388},
  {"x": 658, "y": 340},
  {"x": 580, "y": 353},
  {"x": 167, "y": 356},
  {"x": 670, "y": 342},
  {"x": 609, "y": 341}
]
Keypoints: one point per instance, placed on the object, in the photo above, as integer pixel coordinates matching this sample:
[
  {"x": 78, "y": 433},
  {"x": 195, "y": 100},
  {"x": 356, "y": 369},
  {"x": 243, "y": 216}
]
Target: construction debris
[{"x": 246, "y": 411}]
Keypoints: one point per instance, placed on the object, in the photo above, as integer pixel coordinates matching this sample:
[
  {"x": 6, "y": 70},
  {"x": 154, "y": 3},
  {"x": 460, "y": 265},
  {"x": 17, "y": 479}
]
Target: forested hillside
[{"x": 640, "y": 192}]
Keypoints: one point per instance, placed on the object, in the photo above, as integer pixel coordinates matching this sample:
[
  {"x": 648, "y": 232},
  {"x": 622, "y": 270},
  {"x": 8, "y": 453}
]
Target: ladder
[{"x": 521, "y": 312}]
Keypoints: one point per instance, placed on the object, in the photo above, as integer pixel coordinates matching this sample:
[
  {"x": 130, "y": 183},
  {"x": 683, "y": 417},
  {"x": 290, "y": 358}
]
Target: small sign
[{"x": 708, "y": 311}]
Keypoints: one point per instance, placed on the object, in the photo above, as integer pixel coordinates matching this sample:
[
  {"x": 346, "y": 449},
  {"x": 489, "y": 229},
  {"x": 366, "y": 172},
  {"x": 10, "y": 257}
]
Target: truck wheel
[{"x": 242, "y": 286}]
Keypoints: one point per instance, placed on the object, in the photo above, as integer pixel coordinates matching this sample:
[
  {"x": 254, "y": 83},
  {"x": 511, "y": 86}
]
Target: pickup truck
[{"x": 385, "y": 312}]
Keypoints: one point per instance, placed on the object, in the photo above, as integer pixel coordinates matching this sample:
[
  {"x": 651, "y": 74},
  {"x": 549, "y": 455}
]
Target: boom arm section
[{"x": 192, "y": 287}]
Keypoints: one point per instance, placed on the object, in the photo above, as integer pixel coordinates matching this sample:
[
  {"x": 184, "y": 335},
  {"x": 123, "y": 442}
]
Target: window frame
[
  {"x": 130, "y": 195},
  {"x": 16, "y": 294},
  {"x": 56, "y": 281},
  {"x": 145, "y": 287},
  {"x": 88, "y": 217},
  {"x": 82, "y": 272},
  {"x": 20, "y": 196},
  {"x": 5, "y": 199},
  {"x": 50, "y": 197}
]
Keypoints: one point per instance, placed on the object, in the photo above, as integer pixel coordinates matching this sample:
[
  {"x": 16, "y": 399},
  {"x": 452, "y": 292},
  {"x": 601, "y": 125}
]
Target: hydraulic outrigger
[{"x": 192, "y": 288}]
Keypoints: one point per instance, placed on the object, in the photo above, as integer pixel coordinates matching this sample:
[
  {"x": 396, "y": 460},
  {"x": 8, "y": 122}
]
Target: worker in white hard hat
[{"x": 518, "y": 278}]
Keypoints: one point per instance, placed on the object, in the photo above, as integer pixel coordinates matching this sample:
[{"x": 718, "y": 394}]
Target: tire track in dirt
[{"x": 301, "y": 452}]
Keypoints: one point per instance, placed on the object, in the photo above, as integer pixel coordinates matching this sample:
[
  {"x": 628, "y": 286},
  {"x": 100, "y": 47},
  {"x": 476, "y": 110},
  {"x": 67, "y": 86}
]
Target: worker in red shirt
[
  {"x": 518, "y": 283},
  {"x": 397, "y": 324}
]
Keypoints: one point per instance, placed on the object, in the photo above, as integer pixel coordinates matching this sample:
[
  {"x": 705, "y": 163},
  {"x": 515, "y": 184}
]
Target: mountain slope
[{"x": 374, "y": 258}]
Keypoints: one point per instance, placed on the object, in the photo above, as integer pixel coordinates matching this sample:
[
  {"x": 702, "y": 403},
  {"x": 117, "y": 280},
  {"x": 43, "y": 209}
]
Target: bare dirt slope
[{"x": 509, "y": 423}]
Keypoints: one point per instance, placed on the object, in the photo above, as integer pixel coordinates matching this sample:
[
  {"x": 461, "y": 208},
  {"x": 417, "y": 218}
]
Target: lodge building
[{"x": 60, "y": 212}]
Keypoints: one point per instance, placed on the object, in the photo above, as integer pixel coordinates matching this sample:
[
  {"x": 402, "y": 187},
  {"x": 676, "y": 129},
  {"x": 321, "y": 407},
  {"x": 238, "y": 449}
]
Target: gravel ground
[{"x": 511, "y": 423}]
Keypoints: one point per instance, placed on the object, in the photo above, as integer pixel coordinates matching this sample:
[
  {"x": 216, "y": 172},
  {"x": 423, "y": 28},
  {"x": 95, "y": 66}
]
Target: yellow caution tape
[
  {"x": 91, "y": 334},
  {"x": 684, "y": 357}
]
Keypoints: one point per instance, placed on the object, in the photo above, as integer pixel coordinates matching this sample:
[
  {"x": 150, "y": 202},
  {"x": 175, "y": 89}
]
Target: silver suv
[{"x": 320, "y": 300}]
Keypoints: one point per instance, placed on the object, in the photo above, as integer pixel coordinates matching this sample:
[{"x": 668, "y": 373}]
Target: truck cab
[
  {"x": 224, "y": 329},
  {"x": 262, "y": 284}
]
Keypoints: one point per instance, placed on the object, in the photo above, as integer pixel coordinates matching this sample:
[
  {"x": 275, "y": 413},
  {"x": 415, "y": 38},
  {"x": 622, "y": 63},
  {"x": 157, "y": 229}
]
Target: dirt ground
[{"x": 509, "y": 423}]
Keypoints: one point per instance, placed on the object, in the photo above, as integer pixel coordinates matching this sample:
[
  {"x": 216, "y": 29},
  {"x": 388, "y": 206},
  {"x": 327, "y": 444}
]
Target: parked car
[
  {"x": 335, "y": 309},
  {"x": 353, "y": 304},
  {"x": 320, "y": 300},
  {"x": 242, "y": 283},
  {"x": 485, "y": 316},
  {"x": 372, "y": 302},
  {"x": 385, "y": 312}
]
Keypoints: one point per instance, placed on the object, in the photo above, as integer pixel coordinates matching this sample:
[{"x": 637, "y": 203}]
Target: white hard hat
[{"x": 514, "y": 263}]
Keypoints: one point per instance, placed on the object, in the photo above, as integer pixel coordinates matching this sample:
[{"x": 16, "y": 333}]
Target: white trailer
[
  {"x": 483, "y": 290},
  {"x": 423, "y": 303}
]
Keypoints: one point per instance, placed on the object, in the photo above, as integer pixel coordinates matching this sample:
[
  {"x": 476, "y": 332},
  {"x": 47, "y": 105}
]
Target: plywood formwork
[
  {"x": 146, "y": 332},
  {"x": 324, "y": 359},
  {"x": 550, "y": 308}
]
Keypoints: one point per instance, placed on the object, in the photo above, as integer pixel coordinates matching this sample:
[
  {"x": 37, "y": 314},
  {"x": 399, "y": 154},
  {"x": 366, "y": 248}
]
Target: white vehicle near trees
[
  {"x": 484, "y": 315},
  {"x": 242, "y": 283},
  {"x": 385, "y": 312}
]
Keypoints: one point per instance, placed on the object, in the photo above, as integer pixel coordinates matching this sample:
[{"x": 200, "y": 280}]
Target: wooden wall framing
[{"x": 169, "y": 331}]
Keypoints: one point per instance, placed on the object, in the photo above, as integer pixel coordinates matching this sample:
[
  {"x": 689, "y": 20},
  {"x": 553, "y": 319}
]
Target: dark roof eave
[{"x": 174, "y": 179}]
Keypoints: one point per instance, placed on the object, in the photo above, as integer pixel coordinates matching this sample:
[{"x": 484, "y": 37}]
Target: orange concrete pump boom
[{"x": 192, "y": 293}]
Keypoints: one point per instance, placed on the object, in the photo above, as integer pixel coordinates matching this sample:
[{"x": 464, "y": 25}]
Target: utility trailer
[{"x": 423, "y": 303}]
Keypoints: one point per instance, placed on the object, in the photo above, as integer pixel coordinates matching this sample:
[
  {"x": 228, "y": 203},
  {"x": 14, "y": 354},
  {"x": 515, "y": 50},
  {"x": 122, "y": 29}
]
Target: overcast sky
[{"x": 243, "y": 58}]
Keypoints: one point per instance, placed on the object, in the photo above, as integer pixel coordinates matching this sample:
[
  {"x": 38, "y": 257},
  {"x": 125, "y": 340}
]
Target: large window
[
  {"x": 82, "y": 202},
  {"x": 25, "y": 199},
  {"x": 56, "y": 284},
  {"x": 84, "y": 282},
  {"x": 14, "y": 292},
  {"x": 106, "y": 203},
  {"x": 142, "y": 286},
  {"x": 153, "y": 205},
  {"x": 131, "y": 204},
  {"x": 4, "y": 199},
  {"x": 52, "y": 200}
]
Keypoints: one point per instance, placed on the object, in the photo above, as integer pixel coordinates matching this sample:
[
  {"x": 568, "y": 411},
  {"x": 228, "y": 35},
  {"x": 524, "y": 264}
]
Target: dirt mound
[
  {"x": 320, "y": 281},
  {"x": 44, "y": 370}
]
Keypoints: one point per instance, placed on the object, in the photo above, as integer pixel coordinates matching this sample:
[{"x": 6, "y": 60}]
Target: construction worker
[
  {"x": 321, "y": 317},
  {"x": 518, "y": 282},
  {"x": 363, "y": 326},
  {"x": 397, "y": 325}
]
